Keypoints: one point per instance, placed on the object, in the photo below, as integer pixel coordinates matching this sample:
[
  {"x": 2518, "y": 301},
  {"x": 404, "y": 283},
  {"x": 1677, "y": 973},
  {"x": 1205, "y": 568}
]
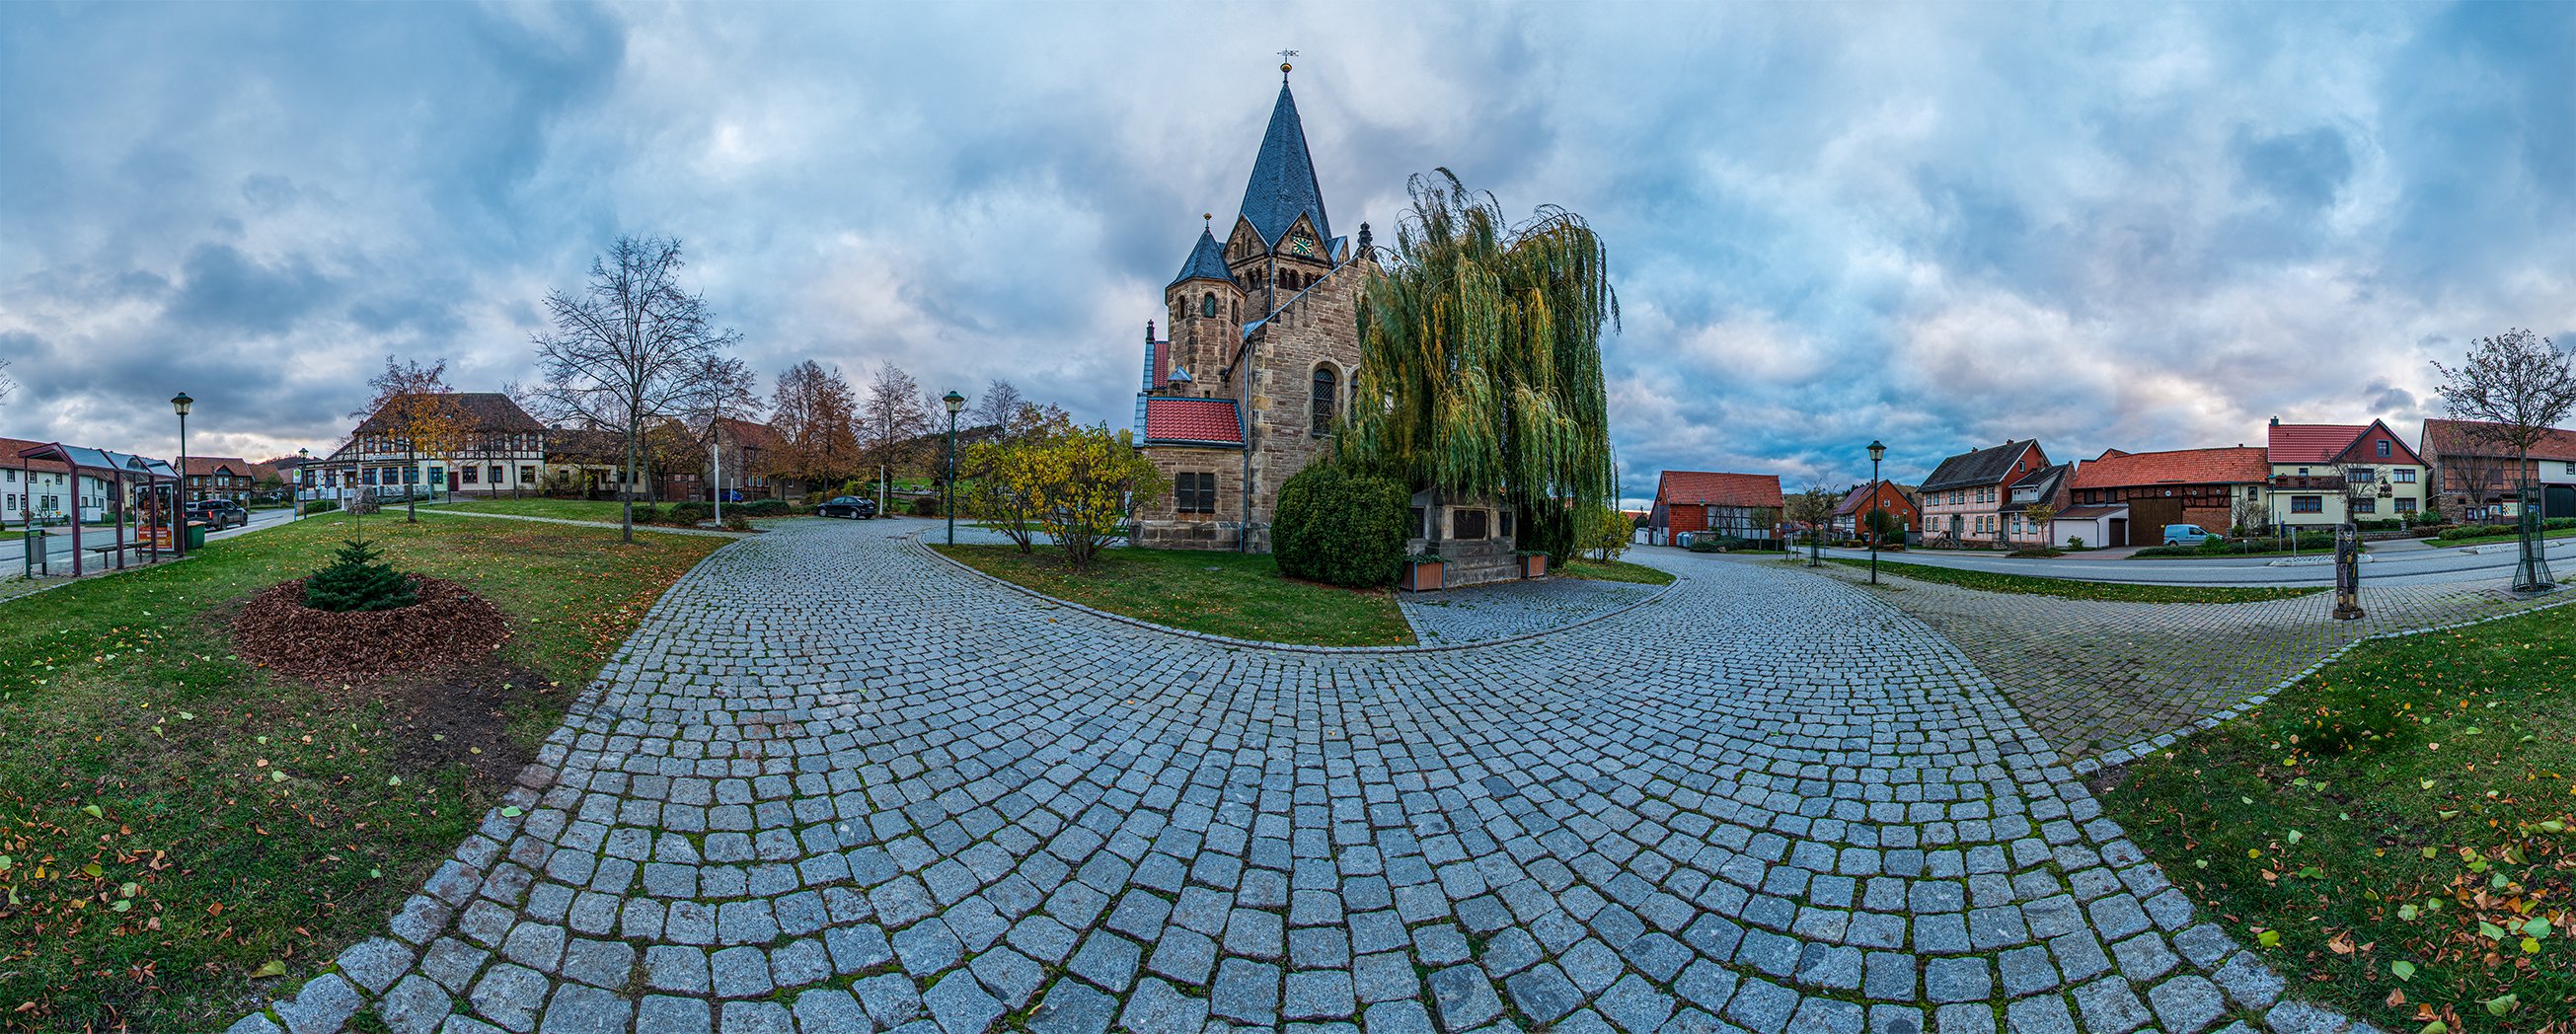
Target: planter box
[
  {"x": 1534, "y": 566},
  {"x": 1419, "y": 577}
]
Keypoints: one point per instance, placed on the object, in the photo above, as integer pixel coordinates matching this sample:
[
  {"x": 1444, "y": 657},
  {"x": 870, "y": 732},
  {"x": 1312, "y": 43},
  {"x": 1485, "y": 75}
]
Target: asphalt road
[
  {"x": 2393, "y": 563},
  {"x": 58, "y": 543}
]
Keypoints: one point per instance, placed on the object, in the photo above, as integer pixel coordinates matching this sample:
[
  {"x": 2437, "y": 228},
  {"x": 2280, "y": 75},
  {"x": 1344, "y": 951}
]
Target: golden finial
[{"x": 1284, "y": 55}]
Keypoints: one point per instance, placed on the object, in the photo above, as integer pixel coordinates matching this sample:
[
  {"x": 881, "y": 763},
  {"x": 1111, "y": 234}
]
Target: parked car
[
  {"x": 220, "y": 513},
  {"x": 2186, "y": 535},
  {"x": 849, "y": 506}
]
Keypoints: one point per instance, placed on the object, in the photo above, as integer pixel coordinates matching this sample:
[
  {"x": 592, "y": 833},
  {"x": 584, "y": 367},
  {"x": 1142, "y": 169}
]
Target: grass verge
[
  {"x": 173, "y": 819},
  {"x": 1229, "y": 594},
  {"x": 2484, "y": 540},
  {"x": 566, "y": 509},
  {"x": 1614, "y": 571},
  {"x": 2068, "y": 588},
  {"x": 2396, "y": 833}
]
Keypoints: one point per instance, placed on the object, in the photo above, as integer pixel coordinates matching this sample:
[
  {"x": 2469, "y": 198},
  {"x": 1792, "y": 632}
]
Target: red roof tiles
[
  {"x": 1210, "y": 421},
  {"x": 2239, "y": 465},
  {"x": 1693, "y": 487},
  {"x": 2312, "y": 443},
  {"x": 2454, "y": 438}
]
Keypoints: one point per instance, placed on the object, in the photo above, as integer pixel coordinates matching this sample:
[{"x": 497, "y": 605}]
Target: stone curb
[
  {"x": 913, "y": 539},
  {"x": 2133, "y": 751}
]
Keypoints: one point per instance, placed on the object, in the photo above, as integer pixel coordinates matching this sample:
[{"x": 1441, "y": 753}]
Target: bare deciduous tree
[
  {"x": 1815, "y": 509},
  {"x": 630, "y": 349},
  {"x": 892, "y": 418},
  {"x": 414, "y": 410},
  {"x": 2510, "y": 392},
  {"x": 9, "y": 386},
  {"x": 998, "y": 407}
]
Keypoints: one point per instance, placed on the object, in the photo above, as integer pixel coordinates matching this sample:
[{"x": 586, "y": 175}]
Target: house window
[
  {"x": 2365, "y": 504},
  {"x": 1194, "y": 492},
  {"x": 2253, "y": 492},
  {"x": 2405, "y": 505},
  {"x": 1320, "y": 404},
  {"x": 2383, "y": 448},
  {"x": 2404, "y": 475},
  {"x": 1467, "y": 524},
  {"x": 496, "y": 474},
  {"x": 527, "y": 475},
  {"x": 2307, "y": 504},
  {"x": 468, "y": 474},
  {"x": 411, "y": 475}
]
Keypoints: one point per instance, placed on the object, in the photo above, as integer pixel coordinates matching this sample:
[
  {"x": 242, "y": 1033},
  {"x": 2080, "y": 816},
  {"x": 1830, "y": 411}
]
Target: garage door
[
  {"x": 2148, "y": 517},
  {"x": 2558, "y": 501}
]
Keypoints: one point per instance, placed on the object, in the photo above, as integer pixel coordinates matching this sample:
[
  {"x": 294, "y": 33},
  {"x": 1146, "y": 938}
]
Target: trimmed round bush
[
  {"x": 1340, "y": 527},
  {"x": 685, "y": 513}
]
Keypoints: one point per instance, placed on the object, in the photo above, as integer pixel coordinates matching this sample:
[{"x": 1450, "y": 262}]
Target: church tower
[{"x": 1262, "y": 339}]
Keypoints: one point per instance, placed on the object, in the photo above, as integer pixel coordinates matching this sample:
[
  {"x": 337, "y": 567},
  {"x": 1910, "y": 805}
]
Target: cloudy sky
[{"x": 2143, "y": 226}]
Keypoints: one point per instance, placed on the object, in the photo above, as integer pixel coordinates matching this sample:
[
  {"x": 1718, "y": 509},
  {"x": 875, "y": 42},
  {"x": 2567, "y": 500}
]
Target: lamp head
[
  {"x": 955, "y": 401},
  {"x": 1877, "y": 450},
  {"x": 180, "y": 402},
  {"x": 302, "y": 453}
]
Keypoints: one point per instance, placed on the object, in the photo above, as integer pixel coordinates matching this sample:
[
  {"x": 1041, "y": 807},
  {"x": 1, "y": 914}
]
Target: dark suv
[{"x": 219, "y": 513}]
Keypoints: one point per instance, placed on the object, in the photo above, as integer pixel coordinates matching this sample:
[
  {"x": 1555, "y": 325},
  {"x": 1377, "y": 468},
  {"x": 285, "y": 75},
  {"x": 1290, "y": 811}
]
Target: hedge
[{"x": 1340, "y": 527}]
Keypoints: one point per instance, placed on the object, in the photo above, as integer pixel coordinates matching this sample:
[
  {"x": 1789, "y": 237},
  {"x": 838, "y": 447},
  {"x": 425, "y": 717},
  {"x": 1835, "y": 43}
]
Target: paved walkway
[
  {"x": 1506, "y": 609},
  {"x": 2093, "y": 676},
  {"x": 832, "y": 784}
]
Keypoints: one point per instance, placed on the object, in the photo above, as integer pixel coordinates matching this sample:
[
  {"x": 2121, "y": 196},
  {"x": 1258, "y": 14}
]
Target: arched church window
[
  {"x": 1207, "y": 305},
  {"x": 1327, "y": 394},
  {"x": 1234, "y": 310}
]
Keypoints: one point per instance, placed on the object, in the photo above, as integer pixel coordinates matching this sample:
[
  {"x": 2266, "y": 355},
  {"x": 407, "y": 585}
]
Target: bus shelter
[{"x": 119, "y": 471}]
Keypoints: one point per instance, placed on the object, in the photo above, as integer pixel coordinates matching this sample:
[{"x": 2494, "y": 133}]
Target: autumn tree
[
  {"x": 815, "y": 414},
  {"x": 1077, "y": 484},
  {"x": 892, "y": 419},
  {"x": 416, "y": 412},
  {"x": 992, "y": 472},
  {"x": 2509, "y": 393},
  {"x": 630, "y": 350}
]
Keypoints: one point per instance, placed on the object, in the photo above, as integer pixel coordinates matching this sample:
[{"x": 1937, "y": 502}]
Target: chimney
[{"x": 2276, "y": 421}]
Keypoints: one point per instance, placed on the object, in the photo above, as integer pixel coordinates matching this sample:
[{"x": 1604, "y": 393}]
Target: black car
[
  {"x": 849, "y": 506},
  {"x": 220, "y": 513}
]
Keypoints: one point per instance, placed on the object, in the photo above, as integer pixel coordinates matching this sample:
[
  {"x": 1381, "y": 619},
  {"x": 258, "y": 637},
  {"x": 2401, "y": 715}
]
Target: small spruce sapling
[{"x": 355, "y": 580}]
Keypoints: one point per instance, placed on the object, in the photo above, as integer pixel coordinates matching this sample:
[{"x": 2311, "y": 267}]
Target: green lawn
[
  {"x": 2480, "y": 540},
  {"x": 567, "y": 509},
  {"x": 172, "y": 819},
  {"x": 2068, "y": 588},
  {"x": 1230, "y": 594},
  {"x": 1614, "y": 571},
  {"x": 2403, "y": 822}
]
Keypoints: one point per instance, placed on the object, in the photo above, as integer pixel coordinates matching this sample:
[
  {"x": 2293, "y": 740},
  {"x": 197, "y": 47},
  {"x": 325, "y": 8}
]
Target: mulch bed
[{"x": 449, "y": 626}]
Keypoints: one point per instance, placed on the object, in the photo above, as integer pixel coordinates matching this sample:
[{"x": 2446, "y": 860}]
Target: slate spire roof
[
  {"x": 1283, "y": 178},
  {"x": 1206, "y": 260}
]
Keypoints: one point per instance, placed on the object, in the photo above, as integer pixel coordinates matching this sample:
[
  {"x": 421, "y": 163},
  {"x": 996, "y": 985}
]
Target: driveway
[
  {"x": 834, "y": 784},
  {"x": 2397, "y": 566}
]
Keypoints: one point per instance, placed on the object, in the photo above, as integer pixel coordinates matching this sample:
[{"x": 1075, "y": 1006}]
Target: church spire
[{"x": 1283, "y": 176}]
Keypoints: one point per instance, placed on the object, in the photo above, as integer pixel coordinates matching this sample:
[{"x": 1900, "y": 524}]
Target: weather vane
[{"x": 1284, "y": 55}]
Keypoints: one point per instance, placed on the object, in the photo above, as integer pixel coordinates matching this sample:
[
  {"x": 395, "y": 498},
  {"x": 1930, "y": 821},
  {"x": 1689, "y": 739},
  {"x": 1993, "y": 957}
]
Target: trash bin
[{"x": 196, "y": 534}]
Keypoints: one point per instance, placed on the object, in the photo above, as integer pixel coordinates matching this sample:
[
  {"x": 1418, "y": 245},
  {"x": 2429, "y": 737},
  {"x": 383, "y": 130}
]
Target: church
[{"x": 1261, "y": 341}]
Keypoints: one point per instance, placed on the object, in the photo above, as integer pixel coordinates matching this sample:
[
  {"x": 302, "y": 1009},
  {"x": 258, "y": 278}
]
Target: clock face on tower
[{"x": 1302, "y": 244}]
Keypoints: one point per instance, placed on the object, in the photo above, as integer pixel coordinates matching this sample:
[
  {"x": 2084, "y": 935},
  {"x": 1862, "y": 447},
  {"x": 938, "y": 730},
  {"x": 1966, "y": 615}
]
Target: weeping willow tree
[{"x": 1483, "y": 339}]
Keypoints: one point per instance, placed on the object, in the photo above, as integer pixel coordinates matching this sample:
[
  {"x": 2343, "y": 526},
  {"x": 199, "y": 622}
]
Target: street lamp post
[
  {"x": 1877, "y": 451},
  {"x": 303, "y": 459},
  {"x": 955, "y": 403},
  {"x": 179, "y": 404}
]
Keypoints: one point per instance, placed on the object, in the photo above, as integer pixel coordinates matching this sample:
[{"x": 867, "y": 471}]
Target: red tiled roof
[
  {"x": 1194, "y": 420},
  {"x": 1691, "y": 487},
  {"x": 2454, "y": 438},
  {"x": 11, "y": 447},
  {"x": 2239, "y": 465},
  {"x": 209, "y": 465},
  {"x": 2312, "y": 443}
]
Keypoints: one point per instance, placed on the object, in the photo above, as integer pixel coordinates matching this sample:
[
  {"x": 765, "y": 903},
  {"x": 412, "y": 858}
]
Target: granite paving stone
[{"x": 835, "y": 780}]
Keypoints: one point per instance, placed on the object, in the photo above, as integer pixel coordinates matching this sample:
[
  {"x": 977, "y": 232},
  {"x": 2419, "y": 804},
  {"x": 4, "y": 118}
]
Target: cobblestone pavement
[
  {"x": 1506, "y": 609},
  {"x": 659, "y": 529},
  {"x": 833, "y": 785},
  {"x": 2092, "y": 676}
]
